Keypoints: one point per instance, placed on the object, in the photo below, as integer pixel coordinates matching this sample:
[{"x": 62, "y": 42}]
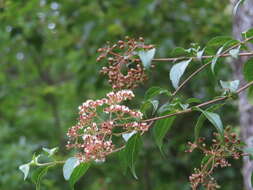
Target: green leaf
[
  {"x": 218, "y": 41},
  {"x": 161, "y": 128},
  {"x": 146, "y": 105},
  {"x": 212, "y": 117},
  {"x": 146, "y": 57},
  {"x": 176, "y": 104},
  {"x": 131, "y": 152},
  {"x": 123, "y": 160},
  {"x": 179, "y": 51},
  {"x": 198, "y": 126},
  {"x": 193, "y": 100},
  {"x": 233, "y": 43},
  {"x": 184, "y": 106},
  {"x": 127, "y": 136},
  {"x": 25, "y": 169},
  {"x": 38, "y": 175},
  {"x": 69, "y": 167},
  {"x": 248, "y": 34},
  {"x": 250, "y": 95},
  {"x": 231, "y": 86},
  {"x": 155, "y": 104},
  {"x": 165, "y": 107},
  {"x": 215, "y": 43},
  {"x": 237, "y": 6},
  {"x": 154, "y": 91},
  {"x": 200, "y": 54},
  {"x": 35, "y": 159},
  {"x": 214, "y": 60},
  {"x": 177, "y": 71},
  {"x": 50, "y": 152},
  {"x": 248, "y": 70},
  {"x": 235, "y": 52},
  {"x": 78, "y": 172}
]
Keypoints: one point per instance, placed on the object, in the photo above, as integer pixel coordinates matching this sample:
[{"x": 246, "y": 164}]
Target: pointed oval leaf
[
  {"x": 193, "y": 100},
  {"x": 161, "y": 128},
  {"x": 248, "y": 70},
  {"x": 214, "y": 60},
  {"x": 155, "y": 104},
  {"x": 69, "y": 167},
  {"x": 78, "y": 172},
  {"x": 123, "y": 161},
  {"x": 235, "y": 52},
  {"x": 215, "y": 43},
  {"x": 146, "y": 57},
  {"x": 177, "y": 72},
  {"x": 200, "y": 54},
  {"x": 202, "y": 119},
  {"x": 237, "y": 6},
  {"x": 127, "y": 136},
  {"x": 198, "y": 126},
  {"x": 214, "y": 119},
  {"x": 51, "y": 151},
  {"x": 164, "y": 108},
  {"x": 248, "y": 34},
  {"x": 131, "y": 152},
  {"x": 149, "y": 105},
  {"x": 231, "y": 86},
  {"x": 250, "y": 95},
  {"x": 179, "y": 51},
  {"x": 154, "y": 91},
  {"x": 25, "y": 169},
  {"x": 38, "y": 175}
]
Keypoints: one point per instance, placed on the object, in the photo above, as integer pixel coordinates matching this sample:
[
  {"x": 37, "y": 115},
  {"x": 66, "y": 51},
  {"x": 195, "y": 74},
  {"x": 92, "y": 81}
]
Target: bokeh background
[{"x": 48, "y": 67}]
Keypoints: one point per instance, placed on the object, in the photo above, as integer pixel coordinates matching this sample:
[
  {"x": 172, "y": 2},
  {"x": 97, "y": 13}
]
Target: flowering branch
[
  {"x": 216, "y": 154},
  {"x": 98, "y": 120},
  {"x": 101, "y": 121}
]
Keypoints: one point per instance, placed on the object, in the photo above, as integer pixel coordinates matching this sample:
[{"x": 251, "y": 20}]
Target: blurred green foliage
[{"x": 47, "y": 68}]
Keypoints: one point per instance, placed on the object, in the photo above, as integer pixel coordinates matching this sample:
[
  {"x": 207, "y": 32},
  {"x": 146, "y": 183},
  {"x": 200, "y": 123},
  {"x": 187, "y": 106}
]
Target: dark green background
[{"x": 47, "y": 68}]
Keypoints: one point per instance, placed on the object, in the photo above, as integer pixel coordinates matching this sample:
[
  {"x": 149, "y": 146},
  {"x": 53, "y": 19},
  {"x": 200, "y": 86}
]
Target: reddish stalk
[{"x": 200, "y": 105}]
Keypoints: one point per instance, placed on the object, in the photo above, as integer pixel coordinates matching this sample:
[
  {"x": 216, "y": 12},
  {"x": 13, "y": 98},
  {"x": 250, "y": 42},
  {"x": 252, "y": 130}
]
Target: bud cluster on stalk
[
  {"x": 124, "y": 69},
  {"x": 216, "y": 155},
  {"x": 98, "y": 121}
]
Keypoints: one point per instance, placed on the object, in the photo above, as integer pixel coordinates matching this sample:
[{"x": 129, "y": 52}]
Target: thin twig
[
  {"x": 244, "y": 87},
  {"x": 175, "y": 59},
  {"x": 51, "y": 163},
  {"x": 200, "y": 105},
  {"x": 205, "y": 65}
]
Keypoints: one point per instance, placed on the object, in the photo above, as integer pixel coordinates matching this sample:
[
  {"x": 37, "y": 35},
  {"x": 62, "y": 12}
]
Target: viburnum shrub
[{"x": 108, "y": 125}]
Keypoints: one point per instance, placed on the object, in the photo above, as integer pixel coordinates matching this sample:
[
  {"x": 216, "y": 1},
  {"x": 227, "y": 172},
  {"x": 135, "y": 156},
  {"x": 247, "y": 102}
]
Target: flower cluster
[
  {"x": 124, "y": 69},
  {"x": 216, "y": 156},
  {"x": 97, "y": 123}
]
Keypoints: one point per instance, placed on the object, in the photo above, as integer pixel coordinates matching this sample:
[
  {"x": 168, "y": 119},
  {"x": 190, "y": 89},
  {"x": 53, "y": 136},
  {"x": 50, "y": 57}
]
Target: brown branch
[
  {"x": 175, "y": 59},
  {"x": 244, "y": 87},
  {"x": 173, "y": 114},
  {"x": 200, "y": 105},
  {"x": 205, "y": 65}
]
